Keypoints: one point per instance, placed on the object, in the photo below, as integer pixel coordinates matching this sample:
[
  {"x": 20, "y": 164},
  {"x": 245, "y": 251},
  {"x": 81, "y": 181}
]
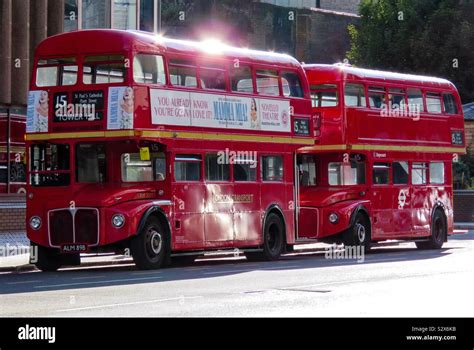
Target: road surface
[{"x": 392, "y": 281}]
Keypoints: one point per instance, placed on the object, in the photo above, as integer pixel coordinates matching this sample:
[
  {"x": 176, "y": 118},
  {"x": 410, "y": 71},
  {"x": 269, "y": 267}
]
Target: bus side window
[
  {"x": 272, "y": 168},
  {"x": 267, "y": 82},
  {"x": 213, "y": 76},
  {"x": 437, "y": 173},
  {"x": 241, "y": 79},
  {"x": 149, "y": 69},
  {"x": 381, "y": 174},
  {"x": 450, "y": 105},
  {"x": 400, "y": 173},
  {"x": 183, "y": 73},
  {"x": 415, "y": 100},
  {"x": 433, "y": 102},
  {"x": 324, "y": 95},
  {"x": 245, "y": 169},
  {"x": 291, "y": 84},
  {"x": 418, "y": 173},
  {"x": 354, "y": 95},
  {"x": 187, "y": 167},
  {"x": 377, "y": 97},
  {"x": 215, "y": 171}
]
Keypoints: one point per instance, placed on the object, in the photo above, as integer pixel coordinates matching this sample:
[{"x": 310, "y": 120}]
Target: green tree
[{"x": 434, "y": 37}]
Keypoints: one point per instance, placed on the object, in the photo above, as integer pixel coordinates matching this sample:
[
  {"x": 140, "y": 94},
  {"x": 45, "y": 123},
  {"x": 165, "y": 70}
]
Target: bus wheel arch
[
  {"x": 273, "y": 235},
  {"x": 438, "y": 230},
  {"x": 151, "y": 245},
  {"x": 359, "y": 232}
]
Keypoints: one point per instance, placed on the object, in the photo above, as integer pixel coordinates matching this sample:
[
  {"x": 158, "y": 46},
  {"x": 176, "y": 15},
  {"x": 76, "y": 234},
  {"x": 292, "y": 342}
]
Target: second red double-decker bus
[
  {"x": 381, "y": 168},
  {"x": 161, "y": 147}
]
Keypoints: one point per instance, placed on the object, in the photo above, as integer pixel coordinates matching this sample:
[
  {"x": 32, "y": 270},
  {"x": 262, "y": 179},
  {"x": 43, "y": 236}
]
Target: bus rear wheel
[
  {"x": 438, "y": 232},
  {"x": 273, "y": 240},
  {"x": 150, "y": 247},
  {"x": 359, "y": 233}
]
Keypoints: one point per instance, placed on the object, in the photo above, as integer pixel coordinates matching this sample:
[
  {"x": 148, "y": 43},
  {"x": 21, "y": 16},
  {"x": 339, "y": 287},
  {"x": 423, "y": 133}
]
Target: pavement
[{"x": 396, "y": 281}]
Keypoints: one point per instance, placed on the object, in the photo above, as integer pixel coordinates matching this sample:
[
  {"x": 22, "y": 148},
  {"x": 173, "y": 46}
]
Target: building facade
[{"x": 310, "y": 30}]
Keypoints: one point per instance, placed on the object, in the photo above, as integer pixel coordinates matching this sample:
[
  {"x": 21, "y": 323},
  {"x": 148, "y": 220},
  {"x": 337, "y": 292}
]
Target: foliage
[{"x": 433, "y": 37}]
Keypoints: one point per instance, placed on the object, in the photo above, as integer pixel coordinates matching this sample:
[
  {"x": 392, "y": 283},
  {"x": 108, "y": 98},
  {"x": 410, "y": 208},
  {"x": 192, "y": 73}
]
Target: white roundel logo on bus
[
  {"x": 284, "y": 118},
  {"x": 402, "y": 198}
]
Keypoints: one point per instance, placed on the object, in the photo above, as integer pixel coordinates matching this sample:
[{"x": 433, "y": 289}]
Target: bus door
[
  {"x": 307, "y": 216},
  {"x": 246, "y": 201},
  {"x": 402, "y": 195},
  {"x": 188, "y": 200},
  {"x": 219, "y": 217},
  {"x": 382, "y": 196}
]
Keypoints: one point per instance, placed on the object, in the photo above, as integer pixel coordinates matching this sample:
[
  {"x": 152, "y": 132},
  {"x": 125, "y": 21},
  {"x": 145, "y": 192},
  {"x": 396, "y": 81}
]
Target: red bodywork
[
  {"x": 200, "y": 214},
  {"x": 395, "y": 210}
]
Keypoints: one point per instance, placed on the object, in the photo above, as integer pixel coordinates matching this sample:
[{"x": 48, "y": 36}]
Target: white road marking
[
  {"x": 23, "y": 282},
  {"x": 97, "y": 282},
  {"x": 130, "y": 303}
]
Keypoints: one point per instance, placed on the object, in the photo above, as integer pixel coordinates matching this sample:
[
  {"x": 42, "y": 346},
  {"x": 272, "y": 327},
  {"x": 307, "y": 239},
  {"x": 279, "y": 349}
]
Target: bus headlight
[
  {"x": 35, "y": 222},
  {"x": 118, "y": 220},
  {"x": 333, "y": 218}
]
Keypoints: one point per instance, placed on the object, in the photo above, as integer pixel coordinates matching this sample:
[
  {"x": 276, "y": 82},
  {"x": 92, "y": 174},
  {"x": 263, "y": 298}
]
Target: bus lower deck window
[
  {"x": 245, "y": 170},
  {"x": 400, "y": 173},
  {"x": 381, "y": 174},
  {"x": 437, "y": 173},
  {"x": 187, "y": 167},
  {"x": 272, "y": 168},
  {"x": 418, "y": 173},
  {"x": 346, "y": 174},
  {"x": 90, "y": 163},
  {"x": 49, "y": 164},
  {"x": 215, "y": 170}
]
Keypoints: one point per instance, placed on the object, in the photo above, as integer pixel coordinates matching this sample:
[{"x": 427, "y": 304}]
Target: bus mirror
[{"x": 144, "y": 153}]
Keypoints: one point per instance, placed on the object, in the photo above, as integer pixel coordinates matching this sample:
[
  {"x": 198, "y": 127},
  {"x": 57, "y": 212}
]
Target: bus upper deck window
[
  {"x": 354, "y": 95},
  {"x": 213, "y": 76},
  {"x": 450, "y": 106},
  {"x": 433, "y": 102},
  {"x": 149, "y": 69},
  {"x": 56, "y": 72},
  {"x": 325, "y": 95},
  {"x": 241, "y": 79},
  {"x": 104, "y": 69},
  {"x": 183, "y": 72},
  {"x": 267, "y": 82},
  {"x": 377, "y": 97},
  {"x": 415, "y": 100},
  {"x": 291, "y": 84}
]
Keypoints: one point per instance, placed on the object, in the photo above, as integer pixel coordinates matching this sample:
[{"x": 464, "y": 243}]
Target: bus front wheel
[
  {"x": 359, "y": 233},
  {"x": 438, "y": 233},
  {"x": 46, "y": 259},
  {"x": 273, "y": 240},
  {"x": 150, "y": 247}
]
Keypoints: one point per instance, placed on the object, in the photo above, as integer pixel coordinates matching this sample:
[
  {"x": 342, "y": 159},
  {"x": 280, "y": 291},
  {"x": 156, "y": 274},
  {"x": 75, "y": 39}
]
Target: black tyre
[
  {"x": 439, "y": 232},
  {"x": 150, "y": 247},
  {"x": 273, "y": 240},
  {"x": 359, "y": 234},
  {"x": 45, "y": 259}
]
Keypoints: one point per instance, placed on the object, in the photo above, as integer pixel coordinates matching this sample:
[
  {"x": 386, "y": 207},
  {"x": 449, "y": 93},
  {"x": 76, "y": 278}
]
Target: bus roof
[
  {"x": 111, "y": 40},
  {"x": 338, "y": 72}
]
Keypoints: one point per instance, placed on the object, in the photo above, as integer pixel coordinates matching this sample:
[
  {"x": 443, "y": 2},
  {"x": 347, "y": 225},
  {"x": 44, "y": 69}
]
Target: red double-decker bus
[
  {"x": 12, "y": 152},
  {"x": 381, "y": 167},
  {"x": 161, "y": 147}
]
